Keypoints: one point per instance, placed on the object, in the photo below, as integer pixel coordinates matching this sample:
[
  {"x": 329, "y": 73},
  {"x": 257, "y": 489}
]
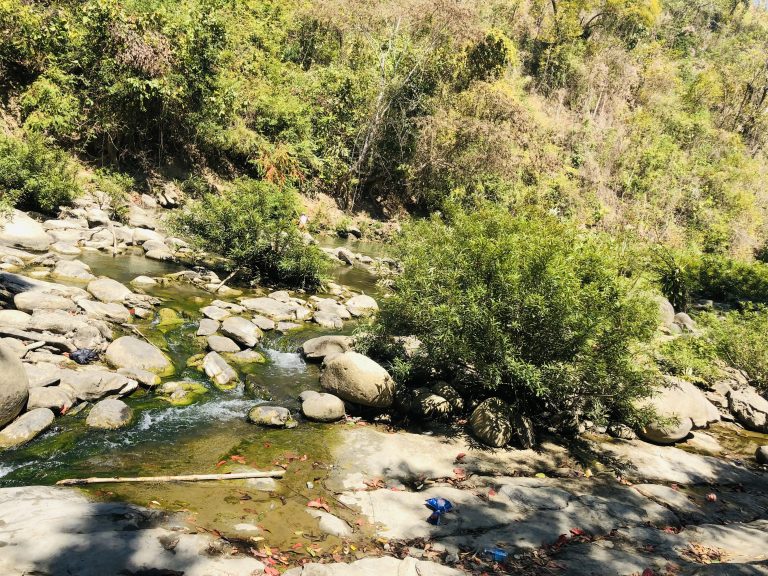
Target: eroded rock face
[
  {"x": 130, "y": 352},
  {"x": 217, "y": 369},
  {"x": 750, "y": 409},
  {"x": 26, "y": 427},
  {"x": 358, "y": 379},
  {"x": 109, "y": 414},
  {"x": 13, "y": 385},
  {"x": 490, "y": 423}
]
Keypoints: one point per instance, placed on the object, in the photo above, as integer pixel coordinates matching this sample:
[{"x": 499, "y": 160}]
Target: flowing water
[{"x": 202, "y": 437}]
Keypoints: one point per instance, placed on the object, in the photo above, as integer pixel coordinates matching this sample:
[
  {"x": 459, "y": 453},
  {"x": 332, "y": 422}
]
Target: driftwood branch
[{"x": 184, "y": 478}]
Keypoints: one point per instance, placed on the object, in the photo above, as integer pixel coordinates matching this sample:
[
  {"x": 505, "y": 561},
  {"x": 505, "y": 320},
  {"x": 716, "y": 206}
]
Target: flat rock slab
[
  {"x": 48, "y": 530},
  {"x": 384, "y": 566}
]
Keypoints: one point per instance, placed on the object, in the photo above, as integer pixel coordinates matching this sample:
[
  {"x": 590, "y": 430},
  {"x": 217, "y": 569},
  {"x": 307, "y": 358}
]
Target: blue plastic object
[
  {"x": 439, "y": 506},
  {"x": 495, "y": 554}
]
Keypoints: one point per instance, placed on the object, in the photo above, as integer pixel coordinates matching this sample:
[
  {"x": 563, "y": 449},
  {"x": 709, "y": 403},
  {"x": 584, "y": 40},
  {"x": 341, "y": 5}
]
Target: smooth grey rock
[
  {"x": 26, "y": 427},
  {"x": 14, "y": 385},
  {"x": 273, "y": 309},
  {"x": 222, "y": 344},
  {"x": 109, "y": 414},
  {"x": 262, "y": 484},
  {"x": 761, "y": 455},
  {"x": 161, "y": 255},
  {"x": 105, "y": 311},
  {"x": 42, "y": 374},
  {"x": 428, "y": 404},
  {"x": 207, "y": 327},
  {"x": 750, "y": 409},
  {"x": 52, "y": 397},
  {"x": 217, "y": 369},
  {"x": 666, "y": 311},
  {"x": 323, "y": 407},
  {"x": 144, "y": 281},
  {"x": 362, "y": 305},
  {"x": 323, "y": 346},
  {"x": 328, "y": 320},
  {"x": 94, "y": 384},
  {"x": 215, "y": 313},
  {"x": 490, "y": 422},
  {"x": 36, "y": 300},
  {"x": 243, "y": 331},
  {"x": 14, "y": 319},
  {"x": 330, "y": 524},
  {"x": 358, "y": 379},
  {"x": 331, "y": 306},
  {"x": 20, "y": 231},
  {"x": 280, "y": 296},
  {"x": 108, "y": 290},
  {"x": 247, "y": 357},
  {"x": 66, "y": 249},
  {"x": 144, "y": 377},
  {"x": 72, "y": 270},
  {"x": 274, "y": 416},
  {"x": 130, "y": 352},
  {"x": 263, "y": 322}
]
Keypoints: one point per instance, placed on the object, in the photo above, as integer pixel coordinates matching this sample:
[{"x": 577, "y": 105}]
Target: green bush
[
  {"x": 255, "y": 226},
  {"x": 692, "y": 357},
  {"x": 741, "y": 340},
  {"x": 524, "y": 308},
  {"x": 34, "y": 176}
]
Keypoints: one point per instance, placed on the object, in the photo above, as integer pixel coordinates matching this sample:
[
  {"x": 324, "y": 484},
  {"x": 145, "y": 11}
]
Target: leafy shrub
[
  {"x": 34, "y": 176},
  {"x": 255, "y": 226},
  {"x": 116, "y": 186},
  {"x": 527, "y": 309},
  {"x": 741, "y": 340},
  {"x": 692, "y": 357}
]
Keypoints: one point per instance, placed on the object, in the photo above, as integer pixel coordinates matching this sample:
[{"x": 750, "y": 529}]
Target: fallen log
[{"x": 184, "y": 478}]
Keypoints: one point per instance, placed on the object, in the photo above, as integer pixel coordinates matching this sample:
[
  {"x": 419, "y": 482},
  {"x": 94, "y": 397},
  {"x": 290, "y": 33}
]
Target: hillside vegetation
[{"x": 568, "y": 158}]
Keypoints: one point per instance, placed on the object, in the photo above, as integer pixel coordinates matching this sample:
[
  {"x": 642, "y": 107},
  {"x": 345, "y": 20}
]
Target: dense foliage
[
  {"x": 737, "y": 338},
  {"x": 524, "y": 308},
  {"x": 644, "y": 115},
  {"x": 34, "y": 176},
  {"x": 255, "y": 226}
]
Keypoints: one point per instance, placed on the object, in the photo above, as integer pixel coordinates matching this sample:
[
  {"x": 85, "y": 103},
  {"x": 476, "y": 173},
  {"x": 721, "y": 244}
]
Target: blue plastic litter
[
  {"x": 495, "y": 554},
  {"x": 439, "y": 506}
]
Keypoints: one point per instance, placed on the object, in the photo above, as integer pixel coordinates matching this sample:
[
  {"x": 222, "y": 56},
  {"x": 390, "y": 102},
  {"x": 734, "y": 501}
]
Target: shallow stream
[{"x": 202, "y": 437}]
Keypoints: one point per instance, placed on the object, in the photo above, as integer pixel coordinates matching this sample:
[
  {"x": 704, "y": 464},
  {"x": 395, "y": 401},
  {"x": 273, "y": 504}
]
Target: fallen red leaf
[
  {"x": 319, "y": 503},
  {"x": 270, "y": 571},
  {"x": 711, "y": 497},
  {"x": 649, "y": 572},
  {"x": 492, "y": 492},
  {"x": 460, "y": 456},
  {"x": 220, "y": 463},
  {"x": 238, "y": 459},
  {"x": 296, "y": 546},
  {"x": 460, "y": 473},
  {"x": 577, "y": 532}
]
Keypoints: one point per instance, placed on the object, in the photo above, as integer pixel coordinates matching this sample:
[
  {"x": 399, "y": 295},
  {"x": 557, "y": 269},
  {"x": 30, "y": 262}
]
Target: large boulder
[
  {"x": 241, "y": 330},
  {"x": 13, "y": 385},
  {"x": 223, "y": 375},
  {"x": 26, "y": 427},
  {"x": 14, "y": 319},
  {"x": 761, "y": 455},
  {"x": 22, "y": 232},
  {"x": 109, "y": 414},
  {"x": 94, "y": 384},
  {"x": 73, "y": 270},
  {"x": 274, "y": 416},
  {"x": 676, "y": 403},
  {"x": 271, "y": 308},
  {"x": 324, "y": 346},
  {"x": 749, "y": 408},
  {"x": 666, "y": 311},
  {"x": 207, "y": 327},
  {"x": 51, "y": 397},
  {"x": 222, "y": 344},
  {"x": 108, "y": 290},
  {"x": 490, "y": 423},
  {"x": 105, "y": 311},
  {"x": 358, "y": 379},
  {"x": 130, "y": 352},
  {"x": 362, "y": 305},
  {"x": 322, "y": 407},
  {"x": 38, "y": 300}
]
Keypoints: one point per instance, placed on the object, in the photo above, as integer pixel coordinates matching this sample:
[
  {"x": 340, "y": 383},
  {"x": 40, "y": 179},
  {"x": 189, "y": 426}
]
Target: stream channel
[{"x": 201, "y": 438}]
